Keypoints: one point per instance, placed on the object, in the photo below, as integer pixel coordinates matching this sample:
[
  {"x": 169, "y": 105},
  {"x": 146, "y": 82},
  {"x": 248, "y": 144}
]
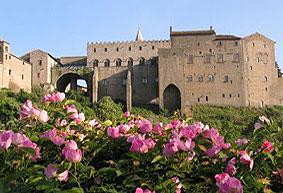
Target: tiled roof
[
  {"x": 227, "y": 37},
  {"x": 192, "y": 33}
]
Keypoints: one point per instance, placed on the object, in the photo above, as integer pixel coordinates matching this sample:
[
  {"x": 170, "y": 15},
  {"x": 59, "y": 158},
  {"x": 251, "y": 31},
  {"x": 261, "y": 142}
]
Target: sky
[{"x": 63, "y": 27}]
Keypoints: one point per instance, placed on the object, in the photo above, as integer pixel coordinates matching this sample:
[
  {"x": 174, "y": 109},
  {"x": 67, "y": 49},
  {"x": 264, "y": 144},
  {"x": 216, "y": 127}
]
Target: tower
[
  {"x": 4, "y": 50},
  {"x": 139, "y": 36}
]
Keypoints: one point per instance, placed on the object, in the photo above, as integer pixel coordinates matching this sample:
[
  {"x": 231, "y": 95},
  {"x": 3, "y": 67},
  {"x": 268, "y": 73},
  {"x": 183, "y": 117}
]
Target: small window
[
  {"x": 253, "y": 44},
  {"x": 152, "y": 47},
  {"x": 230, "y": 95},
  {"x": 6, "y": 48},
  {"x": 130, "y": 62},
  {"x": 9, "y": 57},
  {"x": 130, "y": 48},
  {"x": 210, "y": 50},
  {"x": 223, "y": 95},
  {"x": 40, "y": 62},
  {"x": 191, "y": 59},
  {"x": 118, "y": 62},
  {"x": 142, "y": 61},
  {"x": 251, "y": 67},
  {"x": 198, "y": 99},
  {"x": 23, "y": 61},
  {"x": 207, "y": 58},
  {"x": 210, "y": 78},
  {"x": 236, "y": 58},
  {"x": 257, "y": 59},
  {"x": 198, "y": 44},
  {"x": 200, "y": 78},
  {"x": 219, "y": 44},
  {"x": 226, "y": 79},
  {"x": 22, "y": 77},
  {"x": 220, "y": 58},
  {"x": 94, "y": 50},
  {"x": 6, "y": 57},
  {"x": 206, "y": 98},
  {"x": 200, "y": 52},
  {"x": 265, "y": 78},
  {"x": 105, "y": 49},
  {"x": 10, "y": 72},
  {"x": 38, "y": 75},
  {"x": 140, "y": 48},
  {"x": 117, "y": 49},
  {"x": 265, "y": 88},
  {"x": 107, "y": 63},
  {"x": 236, "y": 43},
  {"x": 95, "y": 63},
  {"x": 238, "y": 95},
  {"x": 189, "y": 78}
]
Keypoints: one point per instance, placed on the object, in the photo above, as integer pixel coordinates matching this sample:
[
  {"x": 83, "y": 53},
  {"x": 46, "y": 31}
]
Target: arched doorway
[
  {"x": 172, "y": 98},
  {"x": 72, "y": 81}
]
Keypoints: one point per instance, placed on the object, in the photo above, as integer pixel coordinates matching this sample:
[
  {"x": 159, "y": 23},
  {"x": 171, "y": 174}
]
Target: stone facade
[
  {"x": 15, "y": 73},
  {"x": 42, "y": 62},
  {"x": 222, "y": 70}
]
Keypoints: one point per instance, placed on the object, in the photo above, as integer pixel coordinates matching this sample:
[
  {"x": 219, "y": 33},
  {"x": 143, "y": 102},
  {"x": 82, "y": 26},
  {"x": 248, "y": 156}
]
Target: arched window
[
  {"x": 142, "y": 61},
  {"x": 118, "y": 62},
  {"x": 94, "y": 50},
  {"x": 130, "y": 62},
  {"x": 189, "y": 78},
  {"x": 107, "y": 63},
  {"x": 200, "y": 78},
  {"x": 210, "y": 78},
  {"x": 95, "y": 63}
]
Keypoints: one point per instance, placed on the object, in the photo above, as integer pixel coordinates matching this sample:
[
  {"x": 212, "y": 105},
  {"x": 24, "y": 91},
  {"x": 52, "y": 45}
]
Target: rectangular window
[
  {"x": 226, "y": 79},
  {"x": 38, "y": 75},
  {"x": 6, "y": 57},
  {"x": 220, "y": 58},
  {"x": 191, "y": 59},
  {"x": 40, "y": 62},
  {"x": 236, "y": 58},
  {"x": 207, "y": 58},
  {"x": 22, "y": 77},
  {"x": 10, "y": 72}
]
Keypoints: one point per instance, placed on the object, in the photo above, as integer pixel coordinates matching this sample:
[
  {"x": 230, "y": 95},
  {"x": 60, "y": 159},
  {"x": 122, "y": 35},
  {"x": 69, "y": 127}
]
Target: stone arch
[
  {"x": 172, "y": 98},
  {"x": 71, "y": 79}
]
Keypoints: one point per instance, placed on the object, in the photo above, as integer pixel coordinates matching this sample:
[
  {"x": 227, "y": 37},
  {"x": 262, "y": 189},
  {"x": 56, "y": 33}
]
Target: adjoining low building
[{"x": 15, "y": 73}]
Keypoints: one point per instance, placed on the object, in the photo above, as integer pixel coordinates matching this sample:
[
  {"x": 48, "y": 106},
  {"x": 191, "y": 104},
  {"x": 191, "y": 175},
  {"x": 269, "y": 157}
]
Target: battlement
[{"x": 120, "y": 43}]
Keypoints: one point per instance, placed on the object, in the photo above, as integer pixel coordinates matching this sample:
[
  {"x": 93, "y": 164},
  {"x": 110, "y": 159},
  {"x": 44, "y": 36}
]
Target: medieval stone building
[{"x": 193, "y": 67}]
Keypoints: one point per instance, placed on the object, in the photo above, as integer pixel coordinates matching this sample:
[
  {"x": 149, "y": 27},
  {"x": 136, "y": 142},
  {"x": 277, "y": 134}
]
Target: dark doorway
[{"x": 172, "y": 98}]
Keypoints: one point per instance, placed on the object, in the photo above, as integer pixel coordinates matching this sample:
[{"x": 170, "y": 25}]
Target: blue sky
[{"x": 63, "y": 27}]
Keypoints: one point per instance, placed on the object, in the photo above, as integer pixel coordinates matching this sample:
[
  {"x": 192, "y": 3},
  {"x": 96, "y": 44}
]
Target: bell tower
[{"x": 4, "y": 50}]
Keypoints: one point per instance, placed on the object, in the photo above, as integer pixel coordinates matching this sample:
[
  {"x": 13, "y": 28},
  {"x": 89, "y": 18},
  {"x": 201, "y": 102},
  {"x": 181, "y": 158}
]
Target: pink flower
[
  {"x": 93, "y": 123},
  {"x": 37, "y": 154},
  {"x": 71, "y": 109},
  {"x": 78, "y": 117},
  {"x": 267, "y": 146},
  {"x": 231, "y": 185},
  {"x": 246, "y": 159},
  {"x": 230, "y": 168},
  {"x": 60, "y": 123},
  {"x": 28, "y": 111},
  {"x": 221, "y": 178},
  {"x": 176, "y": 124},
  {"x": 127, "y": 114},
  {"x": 50, "y": 171},
  {"x": 145, "y": 126},
  {"x": 18, "y": 138},
  {"x": 257, "y": 126},
  {"x": 191, "y": 131},
  {"x": 72, "y": 153},
  {"x": 264, "y": 119},
  {"x": 124, "y": 128},
  {"x": 242, "y": 141},
  {"x": 63, "y": 176},
  {"x": 6, "y": 138},
  {"x": 140, "y": 144},
  {"x": 139, "y": 190},
  {"x": 158, "y": 128},
  {"x": 52, "y": 136},
  {"x": 113, "y": 132},
  {"x": 55, "y": 97}
]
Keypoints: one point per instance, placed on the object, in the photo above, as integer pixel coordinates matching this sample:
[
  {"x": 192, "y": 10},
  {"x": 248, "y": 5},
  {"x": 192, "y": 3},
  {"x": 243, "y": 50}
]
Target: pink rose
[
  {"x": 145, "y": 126},
  {"x": 55, "y": 97},
  {"x": 267, "y": 146},
  {"x": 246, "y": 159},
  {"x": 127, "y": 114},
  {"x": 51, "y": 172},
  {"x": 231, "y": 185},
  {"x": 6, "y": 139},
  {"x": 241, "y": 142},
  {"x": 72, "y": 153},
  {"x": 113, "y": 132}
]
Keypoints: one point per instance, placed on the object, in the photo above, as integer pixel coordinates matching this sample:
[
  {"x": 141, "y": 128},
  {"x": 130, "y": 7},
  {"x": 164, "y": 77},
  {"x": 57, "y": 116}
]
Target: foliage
[{"x": 122, "y": 152}]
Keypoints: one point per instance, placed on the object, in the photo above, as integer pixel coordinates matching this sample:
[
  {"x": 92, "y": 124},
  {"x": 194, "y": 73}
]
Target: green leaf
[
  {"x": 36, "y": 179},
  {"x": 74, "y": 190},
  {"x": 156, "y": 159},
  {"x": 107, "y": 123}
]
